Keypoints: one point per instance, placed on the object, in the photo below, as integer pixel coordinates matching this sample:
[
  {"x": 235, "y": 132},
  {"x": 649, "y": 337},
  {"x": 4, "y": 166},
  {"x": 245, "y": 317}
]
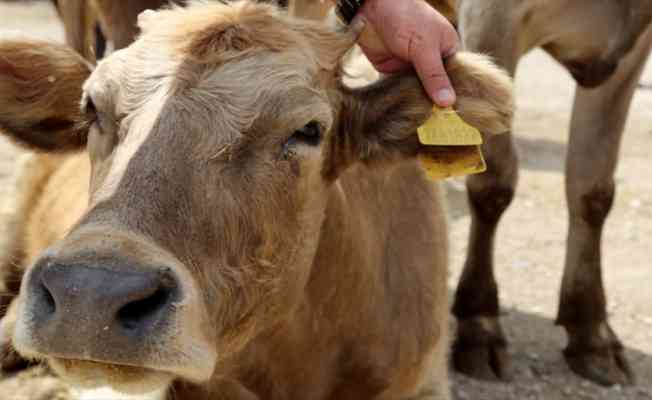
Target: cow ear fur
[
  {"x": 40, "y": 92},
  {"x": 378, "y": 122}
]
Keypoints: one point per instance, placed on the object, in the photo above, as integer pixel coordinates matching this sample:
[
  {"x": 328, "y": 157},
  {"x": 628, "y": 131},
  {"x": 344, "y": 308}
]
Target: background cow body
[
  {"x": 607, "y": 63},
  {"x": 247, "y": 247}
]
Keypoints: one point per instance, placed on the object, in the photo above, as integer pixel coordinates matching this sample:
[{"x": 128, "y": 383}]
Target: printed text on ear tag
[{"x": 446, "y": 128}]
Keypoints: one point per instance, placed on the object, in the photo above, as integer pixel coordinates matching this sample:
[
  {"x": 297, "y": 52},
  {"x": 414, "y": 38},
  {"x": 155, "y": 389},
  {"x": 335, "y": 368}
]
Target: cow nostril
[
  {"x": 46, "y": 302},
  {"x": 140, "y": 313}
]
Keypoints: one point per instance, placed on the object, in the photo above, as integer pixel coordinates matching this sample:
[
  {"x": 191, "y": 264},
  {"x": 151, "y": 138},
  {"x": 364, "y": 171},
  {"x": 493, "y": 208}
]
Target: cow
[
  {"x": 88, "y": 23},
  {"x": 241, "y": 225},
  {"x": 606, "y": 62},
  {"x": 594, "y": 351}
]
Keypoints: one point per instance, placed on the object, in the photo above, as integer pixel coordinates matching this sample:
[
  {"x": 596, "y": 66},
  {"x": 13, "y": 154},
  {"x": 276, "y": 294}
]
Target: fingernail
[{"x": 445, "y": 97}]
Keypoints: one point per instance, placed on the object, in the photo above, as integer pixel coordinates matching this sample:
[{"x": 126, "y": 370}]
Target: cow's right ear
[
  {"x": 378, "y": 123},
  {"x": 40, "y": 92}
]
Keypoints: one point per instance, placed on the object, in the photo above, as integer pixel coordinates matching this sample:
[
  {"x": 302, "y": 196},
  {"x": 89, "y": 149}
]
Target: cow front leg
[
  {"x": 480, "y": 348},
  {"x": 599, "y": 115}
]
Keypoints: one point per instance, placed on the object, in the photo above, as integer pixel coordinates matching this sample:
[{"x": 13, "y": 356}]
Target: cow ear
[
  {"x": 378, "y": 123},
  {"x": 40, "y": 91}
]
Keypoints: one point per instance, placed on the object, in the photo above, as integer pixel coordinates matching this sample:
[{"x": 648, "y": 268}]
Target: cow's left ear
[{"x": 378, "y": 123}]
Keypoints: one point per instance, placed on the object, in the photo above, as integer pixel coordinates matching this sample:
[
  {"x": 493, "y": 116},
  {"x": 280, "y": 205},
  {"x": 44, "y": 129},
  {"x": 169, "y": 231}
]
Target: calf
[
  {"x": 242, "y": 225},
  {"x": 606, "y": 62}
]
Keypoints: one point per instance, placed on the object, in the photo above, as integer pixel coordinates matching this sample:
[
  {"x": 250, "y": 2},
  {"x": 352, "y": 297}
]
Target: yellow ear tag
[
  {"x": 454, "y": 146},
  {"x": 446, "y": 128}
]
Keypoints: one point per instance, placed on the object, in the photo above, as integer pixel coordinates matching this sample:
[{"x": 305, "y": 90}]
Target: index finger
[{"x": 429, "y": 65}]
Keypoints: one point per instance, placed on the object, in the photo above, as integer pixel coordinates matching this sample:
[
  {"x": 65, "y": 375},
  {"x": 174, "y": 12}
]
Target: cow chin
[{"x": 121, "y": 378}]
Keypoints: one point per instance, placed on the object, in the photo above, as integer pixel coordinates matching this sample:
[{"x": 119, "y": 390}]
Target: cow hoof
[
  {"x": 480, "y": 349},
  {"x": 594, "y": 352},
  {"x": 606, "y": 366}
]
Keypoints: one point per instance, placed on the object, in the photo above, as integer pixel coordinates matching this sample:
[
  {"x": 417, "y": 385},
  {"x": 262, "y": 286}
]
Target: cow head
[{"x": 214, "y": 141}]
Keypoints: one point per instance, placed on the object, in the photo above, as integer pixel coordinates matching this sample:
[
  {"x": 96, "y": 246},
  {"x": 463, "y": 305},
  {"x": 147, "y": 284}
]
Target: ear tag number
[{"x": 454, "y": 146}]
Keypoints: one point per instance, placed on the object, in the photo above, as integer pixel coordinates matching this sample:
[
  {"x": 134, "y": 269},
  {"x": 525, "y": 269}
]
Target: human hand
[{"x": 401, "y": 33}]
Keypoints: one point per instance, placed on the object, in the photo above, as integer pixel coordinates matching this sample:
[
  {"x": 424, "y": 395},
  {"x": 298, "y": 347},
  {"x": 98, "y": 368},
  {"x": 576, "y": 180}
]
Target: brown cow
[
  {"x": 251, "y": 228},
  {"x": 604, "y": 45},
  {"x": 117, "y": 18}
]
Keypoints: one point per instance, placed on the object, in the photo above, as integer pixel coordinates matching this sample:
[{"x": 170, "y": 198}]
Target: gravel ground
[{"x": 529, "y": 261}]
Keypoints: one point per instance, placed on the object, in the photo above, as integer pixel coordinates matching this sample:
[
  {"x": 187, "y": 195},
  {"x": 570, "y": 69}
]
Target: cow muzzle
[
  {"x": 97, "y": 312},
  {"x": 109, "y": 311}
]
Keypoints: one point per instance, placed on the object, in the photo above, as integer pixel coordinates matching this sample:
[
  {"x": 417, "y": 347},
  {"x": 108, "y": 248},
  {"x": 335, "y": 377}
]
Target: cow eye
[
  {"x": 310, "y": 134},
  {"x": 96, "y": 117}
]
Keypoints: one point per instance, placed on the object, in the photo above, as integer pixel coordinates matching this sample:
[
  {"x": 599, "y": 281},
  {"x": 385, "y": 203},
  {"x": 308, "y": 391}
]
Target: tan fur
[
  {"x": 79, "y": 19},
  {"x": 289, "y": 255},
  {"x": 311, "y": 9},
  {"x": 49, "y": 94}
]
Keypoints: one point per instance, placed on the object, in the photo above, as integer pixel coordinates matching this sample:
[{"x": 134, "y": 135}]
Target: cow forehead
[
  {"x": 189, "y": 45},
  {"x": 213, "y": 33},
  {"x": 222, "y": 65}
]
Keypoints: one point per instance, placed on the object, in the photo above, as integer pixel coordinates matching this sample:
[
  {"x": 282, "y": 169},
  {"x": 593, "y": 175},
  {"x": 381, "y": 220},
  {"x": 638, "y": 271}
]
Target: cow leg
[
  {"x": 599, "y": 115},
  {"x": 480, "y": 347}
]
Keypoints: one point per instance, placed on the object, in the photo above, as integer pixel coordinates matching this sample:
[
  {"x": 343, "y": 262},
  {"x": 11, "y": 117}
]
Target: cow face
[{"x": 214, "y": 141}]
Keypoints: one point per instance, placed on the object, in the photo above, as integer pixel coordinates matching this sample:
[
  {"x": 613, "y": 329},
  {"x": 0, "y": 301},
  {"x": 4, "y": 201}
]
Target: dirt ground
[{"x": 529, "y": 261}]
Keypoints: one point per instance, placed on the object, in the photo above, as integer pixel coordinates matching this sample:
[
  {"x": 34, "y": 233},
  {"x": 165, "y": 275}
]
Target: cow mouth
[{"x": 121, "y": 378}]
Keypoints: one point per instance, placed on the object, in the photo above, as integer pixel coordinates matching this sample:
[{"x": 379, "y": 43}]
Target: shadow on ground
[{"x": 539, "y": 370}]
